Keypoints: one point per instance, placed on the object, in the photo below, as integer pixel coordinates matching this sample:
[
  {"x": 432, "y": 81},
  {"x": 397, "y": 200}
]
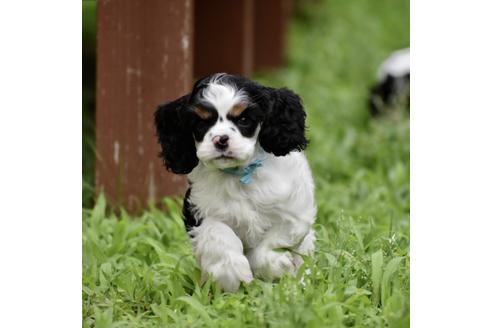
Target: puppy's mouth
[
  {"x": 225, "y": 161},
  {"x": 224, "y": 157}
]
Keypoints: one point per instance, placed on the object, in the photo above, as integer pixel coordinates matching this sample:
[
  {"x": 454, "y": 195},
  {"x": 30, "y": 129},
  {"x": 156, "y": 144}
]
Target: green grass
[{"x": 140, "y": 272}]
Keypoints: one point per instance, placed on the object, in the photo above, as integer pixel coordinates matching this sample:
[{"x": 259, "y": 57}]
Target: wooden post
[
  {"x": 144, "y": 58},
  {"x": 224, "y": 37},
  {"x": 271, "y": 22}
]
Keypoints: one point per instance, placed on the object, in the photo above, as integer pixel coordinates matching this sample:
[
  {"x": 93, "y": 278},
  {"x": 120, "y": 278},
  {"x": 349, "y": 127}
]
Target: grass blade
[{"x": 376, "y": 275}]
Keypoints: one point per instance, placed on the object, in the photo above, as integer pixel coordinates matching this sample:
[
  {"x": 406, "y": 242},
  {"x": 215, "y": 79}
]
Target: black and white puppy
[
  {"x": 393, "y": 86},
  {"x": 250, "y": 206}
]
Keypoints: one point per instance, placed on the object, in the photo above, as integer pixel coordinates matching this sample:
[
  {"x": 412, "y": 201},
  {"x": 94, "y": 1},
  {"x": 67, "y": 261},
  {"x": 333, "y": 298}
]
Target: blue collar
[{"x": 244, "y": 173}]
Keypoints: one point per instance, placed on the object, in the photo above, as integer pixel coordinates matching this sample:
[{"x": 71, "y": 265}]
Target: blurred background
[
  {"x": 138, "y": 267},
  {"x": 150, "y": 52}
]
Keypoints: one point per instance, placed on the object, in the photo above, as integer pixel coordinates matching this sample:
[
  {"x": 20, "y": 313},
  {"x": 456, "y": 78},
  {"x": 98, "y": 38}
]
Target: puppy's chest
[{"x": 247, "y": 213}]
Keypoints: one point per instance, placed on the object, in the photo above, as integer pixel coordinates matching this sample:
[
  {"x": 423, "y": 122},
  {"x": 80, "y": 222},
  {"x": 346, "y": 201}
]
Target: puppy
[
  {"x": 250, "y": 205},
  {"x": 393, "y": 86}
]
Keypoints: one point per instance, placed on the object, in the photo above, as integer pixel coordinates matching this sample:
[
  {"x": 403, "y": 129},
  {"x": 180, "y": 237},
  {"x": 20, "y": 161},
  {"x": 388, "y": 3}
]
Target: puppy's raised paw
[
  {"x": 270, "y": 264},
  {"x": 230, "y": 271}
]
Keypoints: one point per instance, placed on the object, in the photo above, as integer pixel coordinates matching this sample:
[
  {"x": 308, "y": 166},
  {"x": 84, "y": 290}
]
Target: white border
[
  {"x": 451, "y": 166},
  {"x": 40, "y": 173},
  {"x": 451, "y": 163}
]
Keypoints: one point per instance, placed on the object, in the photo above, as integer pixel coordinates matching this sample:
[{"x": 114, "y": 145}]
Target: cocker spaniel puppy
[
  {"x": 250, "y": 205},
  {"x": 393, "y": 86}
]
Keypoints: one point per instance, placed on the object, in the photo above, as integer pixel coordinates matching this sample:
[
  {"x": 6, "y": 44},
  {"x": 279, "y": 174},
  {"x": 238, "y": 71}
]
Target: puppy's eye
[{"x": 244, "y": 121}]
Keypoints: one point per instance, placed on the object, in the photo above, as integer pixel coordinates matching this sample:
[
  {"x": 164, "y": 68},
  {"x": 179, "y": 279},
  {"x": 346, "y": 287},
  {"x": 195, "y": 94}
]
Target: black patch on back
[
  {"x": 384, "y": 94},
  {"x": 189, "y": 217}
]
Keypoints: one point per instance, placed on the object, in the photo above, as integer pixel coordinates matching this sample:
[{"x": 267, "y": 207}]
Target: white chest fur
[{"x": 282, "y": 191}]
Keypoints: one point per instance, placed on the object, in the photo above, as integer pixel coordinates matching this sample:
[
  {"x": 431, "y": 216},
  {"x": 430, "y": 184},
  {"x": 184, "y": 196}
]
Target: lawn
[{"x": 140, "y": 271}]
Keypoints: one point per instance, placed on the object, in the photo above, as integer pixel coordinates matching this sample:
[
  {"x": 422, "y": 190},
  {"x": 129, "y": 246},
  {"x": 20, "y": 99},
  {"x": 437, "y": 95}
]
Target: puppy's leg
[
  {"x": 271, "y": 258},
  {"x": 220, "y": 254},
  {"x": 305, "y": 248}
]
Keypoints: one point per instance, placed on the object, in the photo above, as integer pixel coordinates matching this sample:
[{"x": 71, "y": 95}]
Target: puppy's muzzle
[{"x": 221, "y": 142}]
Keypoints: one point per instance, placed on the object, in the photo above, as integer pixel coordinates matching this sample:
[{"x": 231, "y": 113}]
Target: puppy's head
[{"x": 224, "y": 119}]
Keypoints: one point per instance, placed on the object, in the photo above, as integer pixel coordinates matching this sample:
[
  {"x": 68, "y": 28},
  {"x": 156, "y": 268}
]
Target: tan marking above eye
[
  {"x": 202, "y": 112},
  {"x": 238, "y": 109}
]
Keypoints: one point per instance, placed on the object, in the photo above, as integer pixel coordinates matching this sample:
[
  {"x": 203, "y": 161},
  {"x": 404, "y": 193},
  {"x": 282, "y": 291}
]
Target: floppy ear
[
  {"x": 175, "y": 136},
  {"x": 282, "y": 131}
]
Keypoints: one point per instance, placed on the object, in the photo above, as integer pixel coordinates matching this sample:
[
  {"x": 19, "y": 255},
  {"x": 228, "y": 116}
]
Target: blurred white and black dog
[
  {"x": 393, "y": 86},
  {"x": 250, "y": 204}
]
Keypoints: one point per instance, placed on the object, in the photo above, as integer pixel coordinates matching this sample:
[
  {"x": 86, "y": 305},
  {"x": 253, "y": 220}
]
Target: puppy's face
[
  {"x": 226, "y": 126},
  {"x": 224, "y": 120}
]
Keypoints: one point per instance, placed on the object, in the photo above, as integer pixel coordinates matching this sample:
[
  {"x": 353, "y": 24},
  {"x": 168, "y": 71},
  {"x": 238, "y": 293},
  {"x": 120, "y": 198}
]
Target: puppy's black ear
[
  {"x": 175, "y": 136},
  {"x": 282, "y": 131}
]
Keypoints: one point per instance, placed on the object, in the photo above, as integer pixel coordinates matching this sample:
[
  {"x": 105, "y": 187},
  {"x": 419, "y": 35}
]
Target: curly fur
[
  {"x": 237, "y": 229},
  {"x": 283, "y": 129},
  {"x": 174, "y": 134}
]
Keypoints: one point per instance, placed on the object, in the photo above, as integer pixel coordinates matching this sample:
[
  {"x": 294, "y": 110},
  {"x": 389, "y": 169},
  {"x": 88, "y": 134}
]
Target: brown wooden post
[
  {"x": 271, "y": 22},
  {"x": 224, "y": 37},
  {"x": 144, "y": 58}
]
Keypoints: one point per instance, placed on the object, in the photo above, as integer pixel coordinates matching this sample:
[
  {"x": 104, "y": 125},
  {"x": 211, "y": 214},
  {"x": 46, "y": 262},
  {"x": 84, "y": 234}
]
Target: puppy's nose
[{"x": 221, "y": 142}]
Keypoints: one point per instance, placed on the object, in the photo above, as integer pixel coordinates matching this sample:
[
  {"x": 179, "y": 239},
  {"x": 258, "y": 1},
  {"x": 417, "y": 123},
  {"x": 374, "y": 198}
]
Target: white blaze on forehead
[{"x": 223, "y": 97}]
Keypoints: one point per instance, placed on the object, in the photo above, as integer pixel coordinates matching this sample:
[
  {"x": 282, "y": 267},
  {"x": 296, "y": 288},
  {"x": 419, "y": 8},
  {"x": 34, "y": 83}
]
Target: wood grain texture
[
  {"x": 270, "y": 32},
  {"x": 224, "y": 37},
  {"x": 144, "y": 58}
]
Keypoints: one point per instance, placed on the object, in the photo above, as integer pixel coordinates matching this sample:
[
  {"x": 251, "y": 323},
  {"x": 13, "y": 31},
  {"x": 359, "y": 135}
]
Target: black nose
[
  {"x": 223, "y": 139},
  {"x": 221, "y": 142}
]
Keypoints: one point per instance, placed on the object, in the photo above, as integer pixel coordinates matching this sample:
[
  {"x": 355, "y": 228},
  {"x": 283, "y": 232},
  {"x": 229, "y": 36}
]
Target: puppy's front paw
[
  {"x": 269, "y": 264},
  {"x": 230, "y": 271}
]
